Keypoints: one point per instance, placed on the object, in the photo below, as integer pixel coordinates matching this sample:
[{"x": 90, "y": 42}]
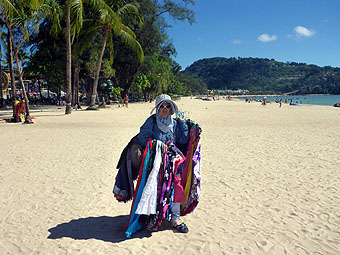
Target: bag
[
  {"x": 136, "y": 151},
  {"x": 133, "y": 153}
]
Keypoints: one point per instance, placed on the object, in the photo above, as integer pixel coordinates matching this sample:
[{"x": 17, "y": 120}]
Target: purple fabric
[{"x": 194, "y": 194}]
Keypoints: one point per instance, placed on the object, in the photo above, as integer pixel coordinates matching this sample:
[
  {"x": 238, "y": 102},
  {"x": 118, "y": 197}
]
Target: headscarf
[{"x": 165, "y": 124}]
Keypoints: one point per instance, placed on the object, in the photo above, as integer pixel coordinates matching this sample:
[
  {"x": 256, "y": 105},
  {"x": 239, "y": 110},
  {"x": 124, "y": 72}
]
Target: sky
[{"x": 303, "y": 31}]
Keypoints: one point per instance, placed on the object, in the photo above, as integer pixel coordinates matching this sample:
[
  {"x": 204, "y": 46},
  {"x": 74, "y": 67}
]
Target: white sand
[{"x": 270, "y": 182}]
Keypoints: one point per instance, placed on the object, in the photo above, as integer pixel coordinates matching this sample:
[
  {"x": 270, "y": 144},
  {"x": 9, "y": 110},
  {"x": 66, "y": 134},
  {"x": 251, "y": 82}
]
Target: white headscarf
[{"x": 165, "y": 124}]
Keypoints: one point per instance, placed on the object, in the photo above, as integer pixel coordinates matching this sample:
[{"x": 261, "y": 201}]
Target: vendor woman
[{"x": 161, "y": 126}]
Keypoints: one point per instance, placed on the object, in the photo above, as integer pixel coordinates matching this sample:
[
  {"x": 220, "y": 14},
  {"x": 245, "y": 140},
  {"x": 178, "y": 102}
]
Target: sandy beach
[{"x": 270, "y": 181}]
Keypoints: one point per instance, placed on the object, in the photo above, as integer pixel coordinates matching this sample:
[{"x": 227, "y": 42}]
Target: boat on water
[{"x": 337, "y": 105}]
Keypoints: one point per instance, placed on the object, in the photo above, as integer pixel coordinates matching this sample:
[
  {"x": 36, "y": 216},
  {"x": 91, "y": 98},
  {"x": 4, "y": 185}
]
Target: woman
[{"x": 161, "y": 126}]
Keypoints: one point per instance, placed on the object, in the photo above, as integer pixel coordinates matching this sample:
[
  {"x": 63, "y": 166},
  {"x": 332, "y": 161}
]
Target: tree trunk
[
  {"x": 96, "y": 77},
  {"x": 39, "y": 87},
  {"x": 16, "y": 52},
  {"x": 76, "y": 84},
  {"x": 88, "y": 87},
  {"x": 28, "y": 119},
  {"x": 135, "y": 76},
  {"x": 68, "y": 58},
  {"x": 72, "y": 86},
  {"x": 48, "y": 91},
  {"x": 59, "y": 93},
  {"x": 1, "y": 95},
  {"x": 10, "y": 60}
]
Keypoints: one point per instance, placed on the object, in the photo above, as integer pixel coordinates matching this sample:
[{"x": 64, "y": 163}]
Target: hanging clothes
[
  {"x": 158, "y": 187},
  {"x": 133, "y": 224},
  {"x": 173, "y": 159},
  {"x": 148, "y": 202},
  {"x": 123, "y": 189},
  {"x": 191, "y": 177}
]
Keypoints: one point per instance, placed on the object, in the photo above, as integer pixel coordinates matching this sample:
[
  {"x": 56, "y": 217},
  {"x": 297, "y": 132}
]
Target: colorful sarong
[{"x": 161, "y": 163}]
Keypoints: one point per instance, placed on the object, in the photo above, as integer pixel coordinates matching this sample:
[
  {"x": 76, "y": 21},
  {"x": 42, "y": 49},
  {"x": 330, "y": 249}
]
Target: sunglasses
[{"x": 165, "y": 106}]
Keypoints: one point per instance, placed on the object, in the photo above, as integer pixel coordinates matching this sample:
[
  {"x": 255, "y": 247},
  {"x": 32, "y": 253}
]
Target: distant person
[
  {"x": 77, "y": 106},
  {"x": 126, "y": 100}
]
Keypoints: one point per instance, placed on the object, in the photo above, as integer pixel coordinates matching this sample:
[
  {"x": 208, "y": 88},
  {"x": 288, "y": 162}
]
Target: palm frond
[
  {"x": 127, "y": 8},
  {"x": 109, "y": 45},
  {"x": 8, "y": 8},
  {"x": 132, "y": 43},
  {"x": 54, "y": 13},
  {"x": 111, "y": 19},
  {"x": 130, "y": 12},
  {"x": 35, "y": 4},
  {"x": 128, "y": 31},
  {"x": 77, "y": 12},
  {"x": 85, "y": 42}
]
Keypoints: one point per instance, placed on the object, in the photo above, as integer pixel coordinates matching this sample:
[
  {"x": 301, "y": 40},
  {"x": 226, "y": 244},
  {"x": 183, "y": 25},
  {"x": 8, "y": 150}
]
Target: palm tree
[
  {"x": 7, "y": 11},
  {"x": 111, "y": 23},
  {"x": 25, "y": 24},
  {"x": 7, "y": 8},
  {"x": 68, "y": 57},
  {"x": 2, "y": 41},
  {"x": 75, "y": 8}
]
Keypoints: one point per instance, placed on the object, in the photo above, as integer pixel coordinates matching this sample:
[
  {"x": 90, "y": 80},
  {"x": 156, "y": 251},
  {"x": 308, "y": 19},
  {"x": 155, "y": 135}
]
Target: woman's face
[{"x": 164, "y": 110}]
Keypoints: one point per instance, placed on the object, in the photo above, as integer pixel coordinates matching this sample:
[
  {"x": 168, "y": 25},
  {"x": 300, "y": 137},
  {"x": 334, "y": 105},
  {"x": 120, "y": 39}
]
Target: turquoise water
[{"x": 329, "y": 100}]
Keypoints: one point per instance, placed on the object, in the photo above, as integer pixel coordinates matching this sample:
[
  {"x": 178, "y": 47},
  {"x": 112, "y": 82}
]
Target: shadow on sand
[{"x": 108, "y": 229}]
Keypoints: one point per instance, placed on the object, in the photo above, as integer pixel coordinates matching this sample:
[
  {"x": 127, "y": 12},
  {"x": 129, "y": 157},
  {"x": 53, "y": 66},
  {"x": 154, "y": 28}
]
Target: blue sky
[{"x": 304, "y": 31}]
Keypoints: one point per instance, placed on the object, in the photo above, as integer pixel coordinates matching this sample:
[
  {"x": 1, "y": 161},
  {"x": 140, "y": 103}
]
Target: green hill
[{"x": 267, "y": 76}]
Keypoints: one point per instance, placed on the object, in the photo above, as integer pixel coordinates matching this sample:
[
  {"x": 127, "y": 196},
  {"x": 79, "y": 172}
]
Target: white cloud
[
  {"x": 267, "y": 38},
  {"x": 236, "y": 41},
  {"x": 303, "y": 32}
]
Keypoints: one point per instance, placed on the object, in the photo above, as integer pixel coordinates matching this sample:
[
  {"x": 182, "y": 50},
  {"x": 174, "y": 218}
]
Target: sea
[{"x": 328, "y": 100}]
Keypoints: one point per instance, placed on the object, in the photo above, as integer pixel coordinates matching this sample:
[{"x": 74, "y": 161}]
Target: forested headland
[{"x": 265, "y": 76}]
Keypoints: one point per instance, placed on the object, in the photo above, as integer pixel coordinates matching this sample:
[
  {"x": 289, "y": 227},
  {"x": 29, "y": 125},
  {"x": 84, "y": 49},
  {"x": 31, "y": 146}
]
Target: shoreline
[
  {"x": 291, "y": 95},
  {"x": 323, "y": 100}
]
